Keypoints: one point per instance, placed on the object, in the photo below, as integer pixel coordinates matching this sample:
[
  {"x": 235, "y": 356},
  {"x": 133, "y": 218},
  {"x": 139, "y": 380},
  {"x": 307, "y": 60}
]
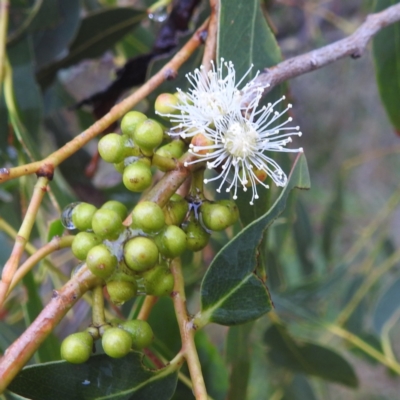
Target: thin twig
[
  {"x": 147, "y": 306},
  {"x": 4, "y": 7},
  {"x": 354, "y": 46},
  {"x": 56, "y": 243},
  {"x": 187, "y": 332},
  {"x": 212, "y": 32},
  {"x": 23, "y": 236},
  {"x": 46, "y": 166}
]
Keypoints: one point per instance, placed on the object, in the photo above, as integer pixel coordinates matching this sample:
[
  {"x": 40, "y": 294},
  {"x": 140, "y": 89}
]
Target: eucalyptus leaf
[
  {"x": 99, "y": 31},
  {"x": 230, "y": 291},
  {"x": 308, "y": 358},
  {"x": 101, "y": 377},
  {"x": 386, "y": 50}
]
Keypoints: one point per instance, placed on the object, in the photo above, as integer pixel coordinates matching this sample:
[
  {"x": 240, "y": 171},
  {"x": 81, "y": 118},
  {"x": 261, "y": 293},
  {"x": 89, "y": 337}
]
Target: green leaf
[
  {"x": 257, "y": 46},
  {"x": 387, "y": 306},
  {"x": 49, "y": 350},
  {"x": 332, "y": 218},
  {"x": 56, "y": 228},
  {"x": 23, "y": 98},
  {"x": 299, "y": 389},
  {"x": 212, "y": 365},
  {"x": 230, "y": 291},
  {"x": 238, "y": 357},
  {"x": 303, "y": 236},
  {"x": 53, "y": 28},
  {"x": 101, "y": 377},
  {"x": 98, "y": 32},
  {"x": 308, "y": 358},
  {"x": 386, "y": 51}
]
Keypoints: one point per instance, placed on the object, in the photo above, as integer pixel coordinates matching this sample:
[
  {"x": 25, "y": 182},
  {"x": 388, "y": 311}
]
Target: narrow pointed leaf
[
  {"x": 101, "y": 377},
  {"x": 308, "y": 358},
  {"x": 386, "y": 50},
  {"x": 230, "y": 292}
]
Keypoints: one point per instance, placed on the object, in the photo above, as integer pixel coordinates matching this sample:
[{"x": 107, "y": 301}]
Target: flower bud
[
  {"x": 175, "y": 210},
  {"x": 165, "y": 104},
  {"x": 82, "y": 216},
  {"x": 112, "y": 148},
  {"x": 158, "y": 281},
  {"x": 137, "y": 177},
  {"x": 140, "y": 331},
  {"x": 148, "y": 217},
  {"x": 121, "y": 291},
  {"x": 76, "y": 348},
  {"x": 215, "y": 216},
  {"x": 116, "y": 342},
  {"x": 83, "y": 242},
  {"x": 140, "y": 253},
  {"x": 130, "y": 121},
  {"x": 171, "y": 241},
  {"x": 196, "y": 236},
  {"x": 101, "y": 262},
  {"x": 117, "y": 207},
  {"x": 148, "y": 135},
  {"x": 107, "y": 224}
]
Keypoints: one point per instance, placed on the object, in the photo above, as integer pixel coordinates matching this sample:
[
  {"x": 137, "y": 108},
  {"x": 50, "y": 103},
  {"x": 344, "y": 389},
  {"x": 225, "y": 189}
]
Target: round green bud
[
  {"x": 171, "y": 241},
  {"x": 112, "y": 148},
  {"x": 76, "y": 348},
  {"x": 148, "y": 217},
  {"x": 101, "y": 262},
  {"x": 137, "y": 177},
  {"x": 116, "y": 342},
  {"x": 148, "y": 135},
  {"x": 196, "y": 236},
  {"x": 130, "y": 121},
  {"x": 82, "y": 243},
  {"x": 82, "y": 216},
  {"x": 215, "y": 217},
  {"x": 140, "y": 253},
  {"x": 121, "y": 291},
  {"x": 232, "y": 207},
  {"x": 159, "y": 281},
  {"x": 175, "y": 210},
  {"x": 166, "y": 104},
  {"x": 107, "y": 224},
  {"x": 117, "y": 207},
  {"x": 174, "y": 149},
  {"x": 140, "y": 331}
]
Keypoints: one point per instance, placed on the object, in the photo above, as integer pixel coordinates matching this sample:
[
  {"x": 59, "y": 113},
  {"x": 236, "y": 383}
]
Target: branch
[
  {"x": 46, "y": 166},
  {"x": 354, "y": 46}
]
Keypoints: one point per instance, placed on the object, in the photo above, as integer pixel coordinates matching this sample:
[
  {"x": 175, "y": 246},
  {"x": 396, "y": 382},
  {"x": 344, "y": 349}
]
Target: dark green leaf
[
  {"x": 98, "y": 32},
  {"x": 299, "y": 389},
  {"x": 101, "y": 377},
  {"x": 24, "y": 100},
  {"x": 308, "y": 358},
  {"x": 238, "y": 357},
  {"x": 53, "y": 28},
  {"x": 230, "y": 292},
  {"x": 332, "y": 218},
  {"x": 386, "y": 50},
  {"x": 50, "y": 348},
  {"x": 257, "y": 46},
  {"x": 56, "y": 228},
  {"x": 387, "y": 306},
  {"x": 303, "y": 238},
  {"x": 212, "y": 365}
]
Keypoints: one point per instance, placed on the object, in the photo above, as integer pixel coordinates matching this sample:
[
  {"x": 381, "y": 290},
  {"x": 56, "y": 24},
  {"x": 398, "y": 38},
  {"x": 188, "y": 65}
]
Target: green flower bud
[
  {"x": 137, "y": 177},
  {"x": 175, "y": 210},
  {"x": 165, "y": 103},
  {"x": 215, "y": 216},
  {"x": 83, "y": 242},
  {"x": 130, "y": 121},
  {"x": 76, "y": 348},
  {"x": 158, "y": 281},
  {"x": 107, "y": 223},
  {"x": 140, "y": 331},
  {"x": 196, "y": 236},
  {"x": 101, "y": 262},
  {"x": 148, "y": 217},
  {"x": 121, "y": 291},
  {"x": 148, "y": 135},
  {"x": 117, "y": 207},
  {"x": 112, "y": 148},
  {"x": 171, "y": 241},
  {"x": 116, "y": 342},
  {"x": 82, "y": 216},
  {"x": 140, "y": 253}
]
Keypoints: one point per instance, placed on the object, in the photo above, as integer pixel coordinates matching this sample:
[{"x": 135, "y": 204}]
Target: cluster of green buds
[{"x": 117, "y": 339}]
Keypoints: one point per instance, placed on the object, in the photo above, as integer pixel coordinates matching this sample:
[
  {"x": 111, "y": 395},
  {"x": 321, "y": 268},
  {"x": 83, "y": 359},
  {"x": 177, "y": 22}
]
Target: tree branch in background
[{"x": 353, "y": 46}]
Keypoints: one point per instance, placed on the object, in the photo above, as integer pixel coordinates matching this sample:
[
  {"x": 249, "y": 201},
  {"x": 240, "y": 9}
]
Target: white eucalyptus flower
[
  {"x": 238, "y": 144},
  {"x": 212, "y": 96}
]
